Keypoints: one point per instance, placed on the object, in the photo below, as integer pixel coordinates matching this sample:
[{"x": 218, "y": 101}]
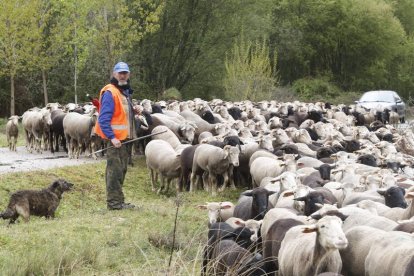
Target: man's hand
[{"x": 116, "y": 143}]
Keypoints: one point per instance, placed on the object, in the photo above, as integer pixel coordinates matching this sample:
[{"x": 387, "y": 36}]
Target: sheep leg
[
  {"x": 14, "y": 143},
  {"x": 162, "y": 184},
  {"x": 206, "y": 182},
  {"x": 225, "y": 182},
  {"x": 212, "y": 179},
  {"x": 167, "y": 189},
  {"x": 231, "y": 177},
  {"x": 152, "y": 176},
  {"x": 193, "y": 186}
]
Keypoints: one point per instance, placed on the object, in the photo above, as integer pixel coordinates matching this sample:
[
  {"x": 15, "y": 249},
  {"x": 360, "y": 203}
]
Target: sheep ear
[
  {"x": 227, "y": 206},
  {"x": 226, "y": 151},
  {"x": 270, "y": 193},
  {"x": 318, "y": 205},
  {"x": 381, "y": 192},
  {"x": 409, "y": 195},
  {"x": 203, "y": 207},
  {"x": 273, "y": 180},
  {"x": 239, "y": 222},
  {"x": 247, "y": 193},
  {"x": 310, "y": 229},
  {"x": 303, "y": 198},
  {"x": 288, "y": 194},
  {"x": 341, "y": 216},
  {"x": 316, "y": 216}
]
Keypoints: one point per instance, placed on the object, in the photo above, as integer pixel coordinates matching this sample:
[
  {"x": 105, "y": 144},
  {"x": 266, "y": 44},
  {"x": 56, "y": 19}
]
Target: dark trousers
[{"x": 116, "y": 168}]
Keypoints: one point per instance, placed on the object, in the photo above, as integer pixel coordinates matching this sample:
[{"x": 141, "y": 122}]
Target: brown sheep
[{"x": 34, "y": 202}]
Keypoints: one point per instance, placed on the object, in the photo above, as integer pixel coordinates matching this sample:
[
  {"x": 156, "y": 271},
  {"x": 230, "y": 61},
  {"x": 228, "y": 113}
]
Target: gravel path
[{"x": 22, "y": 160}]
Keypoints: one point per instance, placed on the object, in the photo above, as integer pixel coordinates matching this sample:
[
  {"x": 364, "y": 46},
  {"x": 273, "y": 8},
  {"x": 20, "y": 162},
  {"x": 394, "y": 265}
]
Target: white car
[{"x": 383, "y": 99}]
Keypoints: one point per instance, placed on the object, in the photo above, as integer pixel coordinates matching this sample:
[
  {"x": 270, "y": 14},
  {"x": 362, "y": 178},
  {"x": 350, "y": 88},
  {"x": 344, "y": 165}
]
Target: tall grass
[{"x": 87, "y": 239}]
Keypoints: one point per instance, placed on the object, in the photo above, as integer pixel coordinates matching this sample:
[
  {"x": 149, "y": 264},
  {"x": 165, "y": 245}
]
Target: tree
[
  {"x": 118, "y": 25},
  {"x": 250, "y": 74},
  {"x": 188, "y": 50},
  {"x": 18, "y": 34},
  {"x": 352, "y": 41}
]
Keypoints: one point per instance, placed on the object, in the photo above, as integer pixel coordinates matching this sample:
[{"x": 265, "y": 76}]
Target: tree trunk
[
  {"x": 76, "y": 70},
  {"x": 44, "y": 87},
  {"x": 12, "y": 101}
]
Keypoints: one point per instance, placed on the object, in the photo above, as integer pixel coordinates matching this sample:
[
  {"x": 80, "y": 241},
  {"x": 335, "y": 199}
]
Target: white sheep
[
  {"x": 162, "y": 159},
  {"x": 218, "y": 211},
  {"x": 12, "y": 132},
  {"x": 312, "y": 249},
  {"x": 213, "y": 161}
]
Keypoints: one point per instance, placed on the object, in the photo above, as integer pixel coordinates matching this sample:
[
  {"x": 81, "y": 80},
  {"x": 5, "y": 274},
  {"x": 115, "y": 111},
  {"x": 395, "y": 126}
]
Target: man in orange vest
[{"x": 116, "y": 124}]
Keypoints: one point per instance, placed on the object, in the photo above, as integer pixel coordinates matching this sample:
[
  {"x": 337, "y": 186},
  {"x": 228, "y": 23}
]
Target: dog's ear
[{"x": 56, "y": 184}]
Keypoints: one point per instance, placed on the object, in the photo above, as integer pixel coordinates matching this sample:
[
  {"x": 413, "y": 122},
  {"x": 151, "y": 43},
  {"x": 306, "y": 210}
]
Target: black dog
[{"x": 38, "y": 203}]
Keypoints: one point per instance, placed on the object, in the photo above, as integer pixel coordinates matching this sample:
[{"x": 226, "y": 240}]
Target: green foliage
[
  {"x": 352, "y": 40},
  {"x": 171, "y": 94},
  {"x": 250, "y": 74},
  {"x": 315, "y": 89},
  {"x": 404, "y": 11},
  {"x": 359, "y": 44},
  {"x": 188, "y": 50}
]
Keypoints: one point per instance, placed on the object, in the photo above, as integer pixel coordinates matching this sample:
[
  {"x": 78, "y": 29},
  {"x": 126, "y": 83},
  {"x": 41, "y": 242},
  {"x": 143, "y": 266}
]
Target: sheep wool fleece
[{"x": 116, "y": 168}]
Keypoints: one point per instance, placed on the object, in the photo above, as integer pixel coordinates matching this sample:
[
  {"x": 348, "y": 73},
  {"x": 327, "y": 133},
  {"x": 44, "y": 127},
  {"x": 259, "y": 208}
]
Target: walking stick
[{"x": 129, "y": 141}]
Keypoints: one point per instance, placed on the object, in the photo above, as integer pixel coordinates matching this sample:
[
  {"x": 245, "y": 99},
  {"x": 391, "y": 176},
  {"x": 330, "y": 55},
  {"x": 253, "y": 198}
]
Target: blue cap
[{"x": 121, "y": 67}]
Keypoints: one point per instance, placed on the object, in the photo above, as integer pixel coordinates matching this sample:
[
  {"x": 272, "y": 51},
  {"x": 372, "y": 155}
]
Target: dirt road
[{"x": 22, "y": 160}]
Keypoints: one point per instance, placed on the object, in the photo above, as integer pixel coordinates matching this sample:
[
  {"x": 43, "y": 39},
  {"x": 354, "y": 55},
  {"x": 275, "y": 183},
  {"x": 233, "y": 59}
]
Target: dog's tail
[{"x": 8, "y": 213}]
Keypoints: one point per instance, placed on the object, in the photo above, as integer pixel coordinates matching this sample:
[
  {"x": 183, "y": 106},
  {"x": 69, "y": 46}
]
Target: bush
[
  {"x": 315, "y": 89},
  {"x": 284, "y": 94},
  {"x": 171, "y": 94}
]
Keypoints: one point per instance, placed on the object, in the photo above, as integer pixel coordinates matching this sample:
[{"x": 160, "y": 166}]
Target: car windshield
[{"x": 378, "y": 96}]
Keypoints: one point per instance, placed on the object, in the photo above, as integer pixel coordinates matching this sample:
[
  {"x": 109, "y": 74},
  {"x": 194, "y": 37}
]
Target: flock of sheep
[{"x": 329, "y": 187}]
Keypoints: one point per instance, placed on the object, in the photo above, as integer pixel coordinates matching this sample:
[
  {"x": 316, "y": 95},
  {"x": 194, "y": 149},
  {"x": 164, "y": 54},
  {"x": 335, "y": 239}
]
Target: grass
[{"x": 86, "y": 239}]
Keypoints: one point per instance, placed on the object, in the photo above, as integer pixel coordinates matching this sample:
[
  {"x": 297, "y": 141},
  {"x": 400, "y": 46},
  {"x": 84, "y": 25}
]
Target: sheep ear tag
[{"x": 309, "y": 230}]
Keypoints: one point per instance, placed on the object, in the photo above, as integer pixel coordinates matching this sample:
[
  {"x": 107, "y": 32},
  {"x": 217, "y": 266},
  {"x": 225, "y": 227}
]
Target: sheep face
[
  {"x": 232, "y": 154},
  {"x": 331, "y": 235},
  {"x": 265, "y": 142},
  {"x": 214, "y": 209},
  {"x": 188, "y": 132}
]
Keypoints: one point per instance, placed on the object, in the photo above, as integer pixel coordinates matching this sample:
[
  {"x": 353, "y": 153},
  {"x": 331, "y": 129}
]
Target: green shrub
[
  {"x": 171, "y": 94},
  {"x": 315, "y": 89}
]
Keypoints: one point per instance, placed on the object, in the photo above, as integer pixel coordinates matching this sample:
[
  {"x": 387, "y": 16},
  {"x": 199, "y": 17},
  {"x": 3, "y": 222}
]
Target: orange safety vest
[{"x": 119, "y": 121}]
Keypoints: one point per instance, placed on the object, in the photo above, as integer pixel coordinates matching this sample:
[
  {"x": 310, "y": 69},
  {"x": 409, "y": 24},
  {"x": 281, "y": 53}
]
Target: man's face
[{"x": 122, "y": 77}]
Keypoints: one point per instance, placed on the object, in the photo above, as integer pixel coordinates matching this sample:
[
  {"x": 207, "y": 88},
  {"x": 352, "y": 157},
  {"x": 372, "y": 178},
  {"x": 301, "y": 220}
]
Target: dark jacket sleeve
[{"x": 105, "y": 114}]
